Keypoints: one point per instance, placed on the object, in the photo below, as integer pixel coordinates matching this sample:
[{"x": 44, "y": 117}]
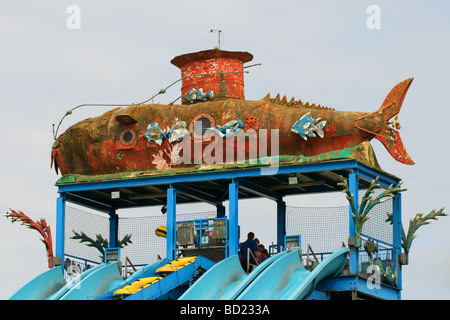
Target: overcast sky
[{"x": 318, "y": 51}]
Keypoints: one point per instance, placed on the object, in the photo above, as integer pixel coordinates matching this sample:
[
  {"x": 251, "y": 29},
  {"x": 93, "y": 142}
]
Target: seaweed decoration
[
  {"x": 173, "y": 152},
  {"x": 367, "y": 203},
  {"x": 389, "y": 274},
  {"x": 40, "y": 226},
  {"x": 414, "y": 224},
  {"x": 99, "y": 243}
]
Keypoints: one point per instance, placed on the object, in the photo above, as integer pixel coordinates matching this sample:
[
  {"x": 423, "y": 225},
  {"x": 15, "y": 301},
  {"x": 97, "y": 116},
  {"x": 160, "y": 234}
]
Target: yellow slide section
[
  {"x": 175, "y": 265},
  {"x": 161, "y": 272},
  {"x": 137, "y": 285}
]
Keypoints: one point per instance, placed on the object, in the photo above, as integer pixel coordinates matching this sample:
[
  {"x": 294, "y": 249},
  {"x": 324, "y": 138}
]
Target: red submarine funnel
[{"x": 219, "y": 74}]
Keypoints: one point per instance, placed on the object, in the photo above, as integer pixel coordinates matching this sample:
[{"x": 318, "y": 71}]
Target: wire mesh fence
[
  {"x": 323, "y": 228},
  {"x": 145, "y": 246},
  {"x": 91, "y": 224},
  {"x": 376, "y": 226}
]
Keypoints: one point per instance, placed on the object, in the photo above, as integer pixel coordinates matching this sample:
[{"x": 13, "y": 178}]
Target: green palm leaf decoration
[
  {"x": 414, "y": 224},
  {"x": 99, "y": 243},
  {"x": 367, "y": 203}
]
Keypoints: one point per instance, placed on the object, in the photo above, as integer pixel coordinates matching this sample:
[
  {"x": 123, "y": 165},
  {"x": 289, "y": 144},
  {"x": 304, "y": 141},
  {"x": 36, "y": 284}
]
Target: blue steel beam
[
  {"x": 244, "y": 173},
  {"x": 60, "y": 225},
  {"x": 79, "y": 199},
  {"x": 359, "y": 285},
  {"x": 220, "y": 208},
  {"x": 258, "y": 190},
  {"x": 354, "y": 252},
  {"x": 197, "y": 195},
  {"x": 281, "y": 223},
  {"x": 113, "y": 229},
  {"x": 171, "y": 223},
  {"x": 397, "y": 231},
  {"x": 370, "y": 174},
  {"x": 233, "y": 217}
]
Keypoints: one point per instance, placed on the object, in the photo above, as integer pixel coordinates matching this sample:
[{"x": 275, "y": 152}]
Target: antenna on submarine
[{"x": 218, "y": 31}]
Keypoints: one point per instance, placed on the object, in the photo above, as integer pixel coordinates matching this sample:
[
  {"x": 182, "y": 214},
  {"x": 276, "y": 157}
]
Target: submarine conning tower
[{"x": 217, "y": 71}]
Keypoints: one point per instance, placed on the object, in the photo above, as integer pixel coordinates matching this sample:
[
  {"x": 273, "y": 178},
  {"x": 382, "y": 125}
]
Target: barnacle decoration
[
  {"x": 306, "y": 127},
  {"x": 227, "y": 130},
  {"x": 178, "y": 132},
  {"x": 370, "y": 247},
  {"x": 388, "y": 274},
  {"x": 99, "y": 243},
  {"x": 367, "y": 203},
  {"x": 155, "y": 134},
  {"x": 40, "y": 226},
  {"x": 414, "y": 224},
  {"x": 251, "y": 123},
  {"x": 195, "y": 95}
]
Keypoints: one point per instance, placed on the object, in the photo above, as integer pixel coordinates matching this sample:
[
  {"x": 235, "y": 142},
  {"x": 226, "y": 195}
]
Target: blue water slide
[
  {"x": 173, "y": 281},
  {"x": 42, "y": 286},
  {"x": 58, "y": 294},
  {"x": 212, "y": 283},
  {"x": 287, "y": 279},
  {"x": 233, "y": 291},
  {"x": 146, "y": 271},
  {"x": 225, "y": 280},
  {"x": 89, "y": 284},
  {"x": 300, "y": 288}
]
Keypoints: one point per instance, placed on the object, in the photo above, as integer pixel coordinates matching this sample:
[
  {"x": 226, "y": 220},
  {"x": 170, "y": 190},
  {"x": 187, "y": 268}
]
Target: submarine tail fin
[
  {"x": 387, "y": 135},
  {"x": 393, "y": 143},
  {"x": 394, "y": 100}
]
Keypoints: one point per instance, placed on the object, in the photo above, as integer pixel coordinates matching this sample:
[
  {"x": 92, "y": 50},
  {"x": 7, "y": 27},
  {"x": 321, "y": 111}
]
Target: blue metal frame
[
  {"x": 179, "y": 183},
  {"x": 297, "y": 236},
  {"x": 106, "y": 255},
  {"x": 60, "y": 225},
  {"x": 359, "y": 168},
  {"x": 358, "y": 284},
  {"x": 354, "y": 252},
  {"x": 281, "y": 223},
  {"x": 233, "y": 217},
  {"x": 397, "y": 230},
  {"x": 202, "y": 225},
  {"x": 171, "y": 222},
  {"x": 113, "y": 228}
]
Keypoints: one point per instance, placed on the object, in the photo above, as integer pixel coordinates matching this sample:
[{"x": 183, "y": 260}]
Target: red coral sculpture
[{"x": 40, "y": 225}]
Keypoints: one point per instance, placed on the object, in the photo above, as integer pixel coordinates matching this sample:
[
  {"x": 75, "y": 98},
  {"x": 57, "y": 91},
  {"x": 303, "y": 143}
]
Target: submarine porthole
[
  {"x": 200, "y": 124},
  {"x": 127, "y": 137}
]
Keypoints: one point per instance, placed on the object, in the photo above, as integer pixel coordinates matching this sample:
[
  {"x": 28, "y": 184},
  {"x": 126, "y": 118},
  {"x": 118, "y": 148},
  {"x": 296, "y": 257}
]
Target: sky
[{"x": 341, "y": 54}]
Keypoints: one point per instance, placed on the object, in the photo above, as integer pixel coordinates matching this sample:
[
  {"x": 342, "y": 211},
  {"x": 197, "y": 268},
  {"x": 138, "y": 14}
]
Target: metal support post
[
  {"x": 60, "y": 225},
  {"x": 281, "y": 223},
  {"x": 397, "y": 230},
  {"x": 233, "y": 217},
  {"x": 113, "y": 229},
  {"x": 220, "y": 210},
  {"x": 354, "y": 252},
  {"x": 171, "y": 222}
]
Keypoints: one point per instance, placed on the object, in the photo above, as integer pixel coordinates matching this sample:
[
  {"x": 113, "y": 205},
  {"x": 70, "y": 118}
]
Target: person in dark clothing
[
  {"x": 249, "y": 244},
  {"x": 264, "y": 254}
]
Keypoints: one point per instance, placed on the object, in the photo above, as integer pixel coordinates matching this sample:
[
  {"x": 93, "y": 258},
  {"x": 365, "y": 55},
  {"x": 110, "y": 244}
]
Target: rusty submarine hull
[{"x": 210, "y": 120}]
